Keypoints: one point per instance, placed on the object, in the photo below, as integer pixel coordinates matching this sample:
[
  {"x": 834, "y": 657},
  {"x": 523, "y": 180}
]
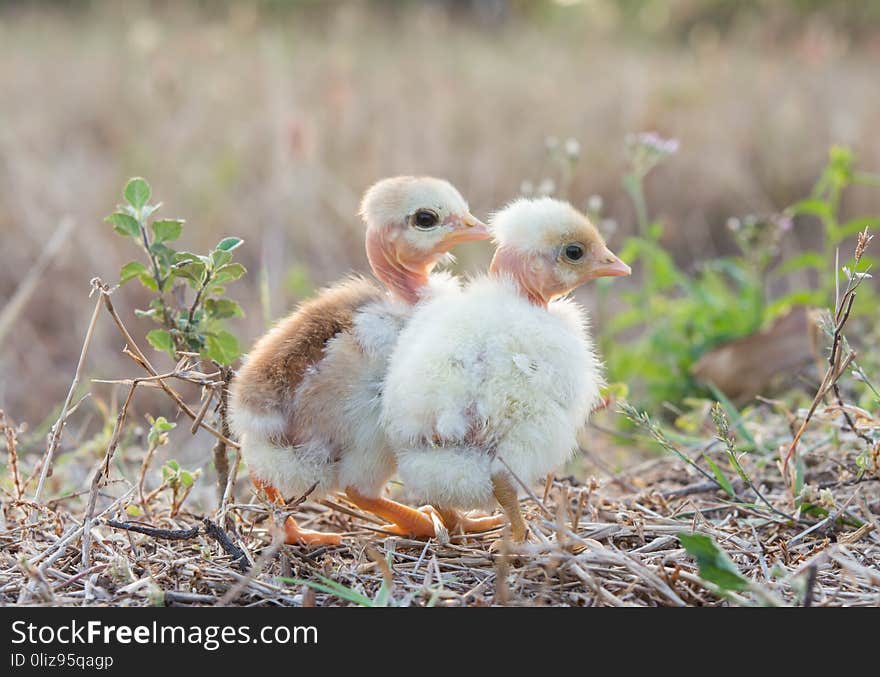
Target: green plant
[
  {"x": 715, "y": 566},
  {"x": 824, "y": 204},
  {"x": 180, "y": 481},
  {"x": 676, "y": 316},
  {"x": 186, "y": 326},
  {"x": 331, "y": 587}
]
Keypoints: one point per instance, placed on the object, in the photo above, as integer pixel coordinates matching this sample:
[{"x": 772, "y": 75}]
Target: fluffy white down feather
[
  {"x": 481, "y": 375},
  {"x": 529, "y": 223},
  {"x": 351, "y": 448}
]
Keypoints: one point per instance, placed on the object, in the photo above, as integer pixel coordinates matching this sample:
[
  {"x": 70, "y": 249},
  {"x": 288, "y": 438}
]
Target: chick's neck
[
  {"x": 514, "y": 266},
  {"x": 404, "y": 276}
]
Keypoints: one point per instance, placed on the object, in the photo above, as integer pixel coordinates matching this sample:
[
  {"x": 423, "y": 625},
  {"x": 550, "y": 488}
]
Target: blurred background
[{"x": 267, "y": 120}]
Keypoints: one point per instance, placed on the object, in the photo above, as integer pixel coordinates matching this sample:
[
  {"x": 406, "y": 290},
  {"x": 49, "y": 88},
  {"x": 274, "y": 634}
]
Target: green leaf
[
  {"x": 174, "y": 465},
  {"x": 331, "y": 587},
  {"x": 715, "y": 566},
  {"x": 137, "y": 192},
  {"x": 148, "y": 281},
  {"x": 124, "y": 224},
  {"x": 721, "y": 477},
  {"x": 222, "y": 347},
  {"x": 804, "y": 260},
  {"x": 813, "y": 206},
  {"x": 220, "y": 258},
  {"x": 190, "y": 270},
  {"x": 152, "y": 313},
  {"x": 186, "y": 478},
  {"x": 161, "y": 340},
  {"x": 163, "y": 252},
  {"x": 163, "y": 424},
  {"x": 131, "y": 270},
  {"x": 219, "y": 309},
  {"x": 167, "y": 230},
  {"x": 227, "y": 244},
  {"x": 133, "y": 510},
  {"x": 229, "y": 272}
]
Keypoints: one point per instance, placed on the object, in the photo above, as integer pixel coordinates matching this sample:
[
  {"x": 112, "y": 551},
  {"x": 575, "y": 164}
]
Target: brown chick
[{"x": 306, "y": 403}]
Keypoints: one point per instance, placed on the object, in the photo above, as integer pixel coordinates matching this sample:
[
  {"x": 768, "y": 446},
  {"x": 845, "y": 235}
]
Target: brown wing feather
[{"x": 277, "y": 362}]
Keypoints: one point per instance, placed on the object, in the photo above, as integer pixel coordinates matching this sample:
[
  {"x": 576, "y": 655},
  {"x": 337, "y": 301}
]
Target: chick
[
  {"x": 306, "y": 403},
  {"x": 495, "y": 382}
]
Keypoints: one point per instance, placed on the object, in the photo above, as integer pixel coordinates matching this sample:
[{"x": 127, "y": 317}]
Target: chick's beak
[
  {"x": 607, "y": 264},
  {"x": 468, "y": 229}
]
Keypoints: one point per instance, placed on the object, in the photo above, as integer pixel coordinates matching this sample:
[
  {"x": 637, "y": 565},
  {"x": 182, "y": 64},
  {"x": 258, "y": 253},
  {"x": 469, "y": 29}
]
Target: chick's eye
[
  {"x": 424, "y": 218},
  {"x": 573, "y": 252}
]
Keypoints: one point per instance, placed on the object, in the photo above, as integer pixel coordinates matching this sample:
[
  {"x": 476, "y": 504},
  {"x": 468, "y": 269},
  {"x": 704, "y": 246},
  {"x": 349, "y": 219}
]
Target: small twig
[
  {"x": 59, "y": 547},
  {"x": 138, "y": 356},
  {"x": 55, "y": 432},
  {"x": 196, "y": 301},
  {"x": 210, "y": 529},
  {"x": 154, "y": 532},
  {"x": 265, "y": 557},
  {"x": 230, "y": 488},
  {"x": 101, "y": 473},
  {"x": 13, "y": 455},
  {"x": 238, "y": 555},
  {"x": 142, "y": 477},
  {"x": 221, "y": 458},
  {"x": 197, "y": 421},
  {"x": 831, "y": 377}
]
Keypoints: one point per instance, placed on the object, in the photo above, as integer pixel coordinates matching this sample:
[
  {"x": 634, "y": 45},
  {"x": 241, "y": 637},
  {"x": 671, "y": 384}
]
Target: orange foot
[
  {"x": 294, "y": 535},
  {"x": 405, "y": 521},
  {"x": 460, "y": 523}
]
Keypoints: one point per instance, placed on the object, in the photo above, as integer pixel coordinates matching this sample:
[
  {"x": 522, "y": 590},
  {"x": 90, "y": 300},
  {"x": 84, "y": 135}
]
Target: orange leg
[
  {"x": 293, "y": 534},
  {"x": 406, "y": 521},
  {"x": 459, "y": 523},
  {"x": 505, "y": 494}
]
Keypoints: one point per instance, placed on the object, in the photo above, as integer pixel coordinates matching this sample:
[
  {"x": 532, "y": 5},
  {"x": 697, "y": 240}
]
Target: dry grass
[{"x": 613, "y": 542}]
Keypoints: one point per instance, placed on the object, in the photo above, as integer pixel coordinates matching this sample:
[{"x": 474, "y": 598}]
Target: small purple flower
[
  {"x": 647, "y": 150},
  {"x": 655, "y": 143},
  {"x": 784, "y": 222}
]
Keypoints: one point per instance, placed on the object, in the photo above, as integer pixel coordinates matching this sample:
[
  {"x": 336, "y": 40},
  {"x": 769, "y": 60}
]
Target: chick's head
[
  {"x": 419, "y": 218},
  {"x": 549, "y": 248}
]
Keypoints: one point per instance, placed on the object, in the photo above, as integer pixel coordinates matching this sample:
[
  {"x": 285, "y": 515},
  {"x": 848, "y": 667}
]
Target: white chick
[{"x": 496, "y": 381}]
